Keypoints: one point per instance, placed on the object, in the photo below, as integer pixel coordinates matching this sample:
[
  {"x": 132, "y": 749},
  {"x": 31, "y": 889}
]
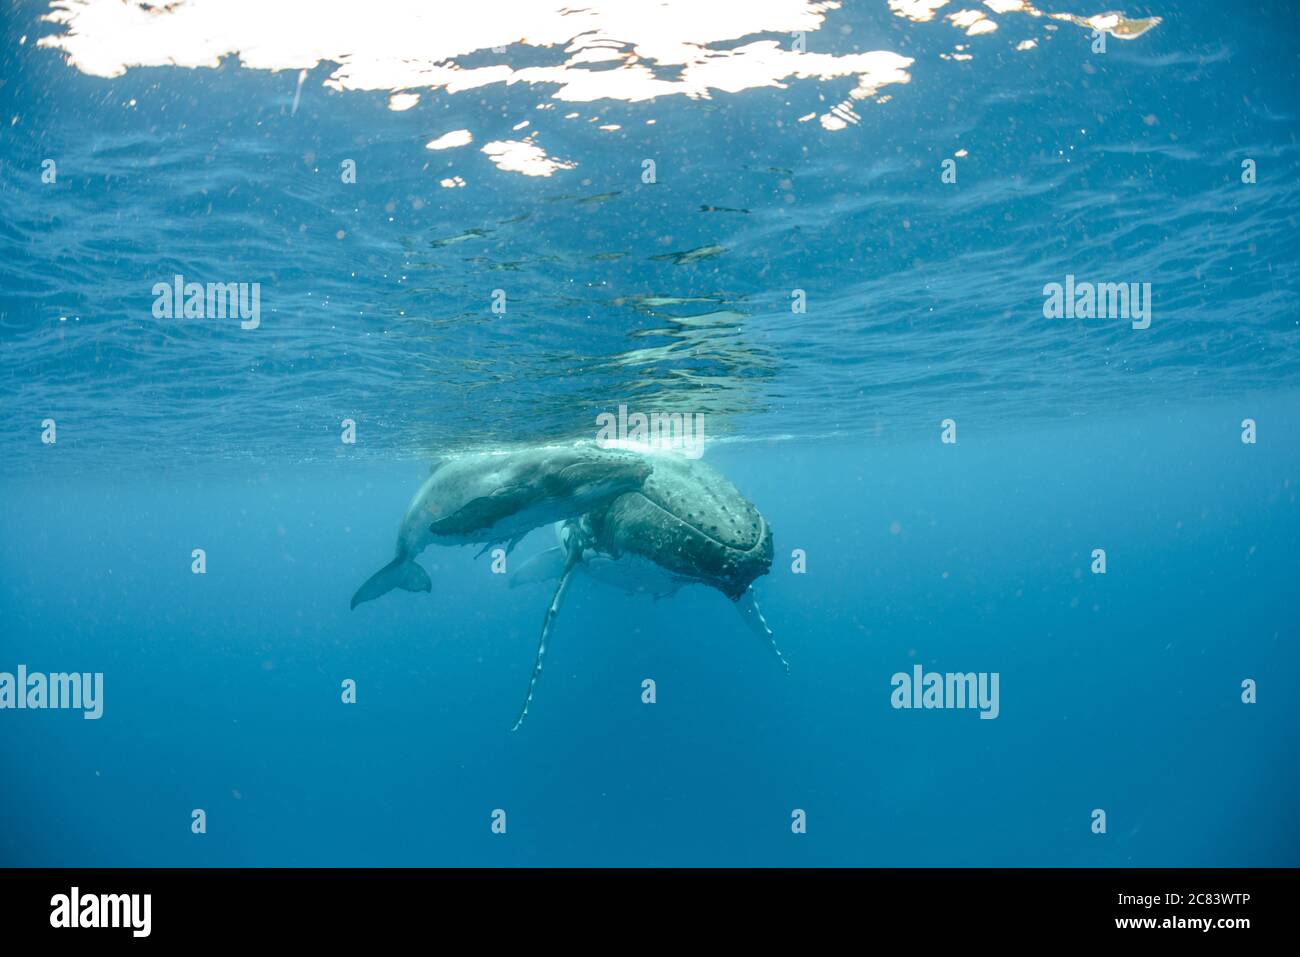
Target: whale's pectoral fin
[
  {"x": 572, "y": 555},
  {"x": 543, "y": 567},
  {"x": 747, "y": 605},
  {"x": 401, "y": 572},
  {"x": 483, "y": 512}
]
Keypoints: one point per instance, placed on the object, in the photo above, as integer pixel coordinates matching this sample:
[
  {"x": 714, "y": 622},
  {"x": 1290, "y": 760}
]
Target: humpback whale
[
  {"x": 686, "y": 524},
  {"x": 490, "y": 498}
]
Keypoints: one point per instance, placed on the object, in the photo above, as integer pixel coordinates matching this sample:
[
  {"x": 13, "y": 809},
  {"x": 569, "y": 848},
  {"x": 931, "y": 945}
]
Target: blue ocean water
[{"x": 217, "y": 149}]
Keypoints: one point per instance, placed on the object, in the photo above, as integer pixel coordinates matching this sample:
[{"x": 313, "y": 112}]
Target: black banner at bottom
[{"x": 336, "y": 906}]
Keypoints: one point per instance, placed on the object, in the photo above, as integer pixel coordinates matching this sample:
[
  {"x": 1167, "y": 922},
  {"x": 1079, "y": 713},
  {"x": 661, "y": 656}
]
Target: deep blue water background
[
  {"x": 1119, "y": 692},
  {"x": 222, "y": 691}
]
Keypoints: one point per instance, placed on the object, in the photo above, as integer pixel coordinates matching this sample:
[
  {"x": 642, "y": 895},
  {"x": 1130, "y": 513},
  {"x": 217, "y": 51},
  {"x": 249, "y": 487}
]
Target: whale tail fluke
[{"x": 401, "y": 572}]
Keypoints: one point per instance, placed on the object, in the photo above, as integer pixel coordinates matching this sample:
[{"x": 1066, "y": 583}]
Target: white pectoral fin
[
  {"x": 747, "y": 605},
  {"x": 571, "y": 560},
  {"x": 543, "y": 567}
]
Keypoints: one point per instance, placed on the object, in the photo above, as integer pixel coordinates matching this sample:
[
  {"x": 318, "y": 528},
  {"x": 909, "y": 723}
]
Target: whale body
[{"x": 489, "y": 498}]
